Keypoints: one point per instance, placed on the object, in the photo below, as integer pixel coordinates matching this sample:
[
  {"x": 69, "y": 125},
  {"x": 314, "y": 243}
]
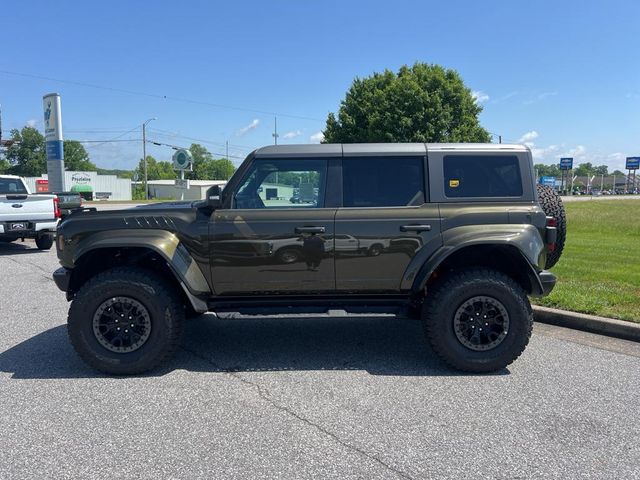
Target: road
[
  {"x": 588, "y": 198},
  {"x": 315, "y": 397}
]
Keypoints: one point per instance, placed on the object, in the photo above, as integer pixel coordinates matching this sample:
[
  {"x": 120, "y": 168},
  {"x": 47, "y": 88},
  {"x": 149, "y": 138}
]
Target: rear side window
[
  {"x": 482, "y": 176},
  {"x": 383, "y": 181},
  {"x": 10, "y": 186}
]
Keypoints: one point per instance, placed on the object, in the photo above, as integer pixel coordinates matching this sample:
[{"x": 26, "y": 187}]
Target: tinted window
[
  {"x": 482, "y": 176},
  {"x": 383, "y": 181},
  {"x": 11, "y": 186},
  {"x": 283, "y": 184}
]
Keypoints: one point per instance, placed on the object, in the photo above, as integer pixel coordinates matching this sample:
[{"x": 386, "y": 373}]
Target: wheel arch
[
  {"x": 504, "y": 257},
  {"x": 162, "y": 252}
]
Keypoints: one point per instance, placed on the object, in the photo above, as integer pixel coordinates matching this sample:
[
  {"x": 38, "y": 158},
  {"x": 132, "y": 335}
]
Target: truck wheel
[
  {"x": 477, "y": 320},
  {"x": 44, "y": 242},
  {"x": 375, "y": 250},
  {"x": 288, "y": 255},
  {"x": 552, "y": 206},
  {"x": 125, "y": 321}
]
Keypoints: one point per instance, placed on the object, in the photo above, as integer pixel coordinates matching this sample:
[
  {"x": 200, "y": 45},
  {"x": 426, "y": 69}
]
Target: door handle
[
  {"x": 309, "y": 229},
  {"x": 415, "y": 228}
]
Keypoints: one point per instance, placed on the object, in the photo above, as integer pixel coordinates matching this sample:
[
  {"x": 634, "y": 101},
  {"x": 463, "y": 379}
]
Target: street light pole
[{"x": 144, "y": 156}]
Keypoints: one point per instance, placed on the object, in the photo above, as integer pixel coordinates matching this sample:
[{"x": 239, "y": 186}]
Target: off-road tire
[
  {"x": 552, "y": 205},
  {"x": 450, "y": 292},
  {"x": 165, "y": 310},
  {"x": 44, "y": 242}
]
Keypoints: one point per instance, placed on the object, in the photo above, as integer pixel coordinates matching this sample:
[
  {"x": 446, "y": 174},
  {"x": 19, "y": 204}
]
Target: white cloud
[
  {"x": 539, "y": 97},
  {"x": 252, "y": 126},
  {"x": 528, "y": 138},
  {"x": 31, "y": 123},
  {"x": 479, "y": 96},
  {"x": 292, "y": 134},
  {"x": 506, "y": 97},
  {"x": 316, "y": 137}
]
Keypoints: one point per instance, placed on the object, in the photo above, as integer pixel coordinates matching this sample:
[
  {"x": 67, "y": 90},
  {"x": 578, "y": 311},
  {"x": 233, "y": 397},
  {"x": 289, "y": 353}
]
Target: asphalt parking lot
[{"x": 329, "y": 397}]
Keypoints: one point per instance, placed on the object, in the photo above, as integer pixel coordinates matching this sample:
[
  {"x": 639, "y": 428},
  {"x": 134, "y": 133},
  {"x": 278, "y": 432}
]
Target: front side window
[
  {"x": 383, "y": 181},
  {"x": 482, "y": 176},
  {"x": 283, "y": 184}
]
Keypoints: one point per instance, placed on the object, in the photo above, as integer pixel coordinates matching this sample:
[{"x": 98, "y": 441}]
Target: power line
[
  {"x": 168, "y": 134},
  {"x": 175, "y": 147},
  {"x": 158, "y": 96}
]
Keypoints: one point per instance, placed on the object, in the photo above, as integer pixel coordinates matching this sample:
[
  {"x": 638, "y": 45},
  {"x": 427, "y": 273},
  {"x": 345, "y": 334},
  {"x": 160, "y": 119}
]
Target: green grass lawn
[{"x": 599, "y": 271}]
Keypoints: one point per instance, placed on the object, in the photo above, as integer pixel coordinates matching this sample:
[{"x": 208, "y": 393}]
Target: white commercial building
[
  {"x": 91, "y": 185},
  {"x": 167, "y": 189}
]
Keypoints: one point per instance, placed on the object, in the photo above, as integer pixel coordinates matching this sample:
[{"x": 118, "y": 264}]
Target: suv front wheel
[
  {"x": 477, "y": 320},
  {"x": 125, "y": 321}
]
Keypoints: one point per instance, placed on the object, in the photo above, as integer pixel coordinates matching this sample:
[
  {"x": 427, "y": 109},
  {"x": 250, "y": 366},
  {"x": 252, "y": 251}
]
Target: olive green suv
[{"x": 457, "y": 235}]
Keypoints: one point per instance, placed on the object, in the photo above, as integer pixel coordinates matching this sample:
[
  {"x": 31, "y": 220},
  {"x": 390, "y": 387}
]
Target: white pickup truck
[{"x": 25, "y": 215}]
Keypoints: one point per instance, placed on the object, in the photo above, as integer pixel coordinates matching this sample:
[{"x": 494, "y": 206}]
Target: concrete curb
[{"x": 588, "y": 323}]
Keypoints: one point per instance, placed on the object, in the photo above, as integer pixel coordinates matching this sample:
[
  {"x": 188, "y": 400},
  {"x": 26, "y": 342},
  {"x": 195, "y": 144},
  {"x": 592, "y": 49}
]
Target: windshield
[{"x": 10, "y": 186}]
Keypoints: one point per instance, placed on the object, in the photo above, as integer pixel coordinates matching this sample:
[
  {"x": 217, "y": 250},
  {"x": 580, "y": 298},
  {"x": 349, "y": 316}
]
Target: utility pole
[
  {"x": 275, "y": 130},
  {"x": 602, "y": 183},
  {"x": 144, "y": 156},
  {"x": 227, "y": 149},
  {"x": 499, "y": 138}
]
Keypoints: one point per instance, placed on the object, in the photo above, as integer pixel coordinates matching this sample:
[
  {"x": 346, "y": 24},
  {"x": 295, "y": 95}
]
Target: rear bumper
[
  {"x": 547, "y": 281},
  {"x": 62, "y": 277},
  {"x": 35, "y": 229}
]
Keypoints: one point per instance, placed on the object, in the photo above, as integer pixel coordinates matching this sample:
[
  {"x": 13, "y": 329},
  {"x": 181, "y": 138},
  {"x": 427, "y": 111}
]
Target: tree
[
  {"x": 601, "y": 170},
  {"x": 617, "y": 172},
  {"x": 422, "y": 103},
  {"x": 156, "y": 170},
  {"x": 205, "y": 167},
  {"x": 547, "y": 170},
  {"x": 584, "y": 169},
  {"x": 27, "y": 155},
  {"x": 4, "y": 166},
  {"x": 76, "y": 157}
]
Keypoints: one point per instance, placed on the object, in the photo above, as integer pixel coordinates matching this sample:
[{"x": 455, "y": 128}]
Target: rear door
[{"x": 387, "y": 213}]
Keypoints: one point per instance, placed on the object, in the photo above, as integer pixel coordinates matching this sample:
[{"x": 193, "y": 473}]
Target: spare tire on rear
[{"x": 552, "y": 205}]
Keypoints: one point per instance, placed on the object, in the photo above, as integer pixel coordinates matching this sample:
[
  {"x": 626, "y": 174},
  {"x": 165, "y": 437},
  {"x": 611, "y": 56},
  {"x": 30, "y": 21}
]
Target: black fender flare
[{"x": 167, "y": 245}]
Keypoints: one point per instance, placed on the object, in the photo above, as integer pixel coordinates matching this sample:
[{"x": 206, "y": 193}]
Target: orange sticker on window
[{"x": 454, "y": 183}]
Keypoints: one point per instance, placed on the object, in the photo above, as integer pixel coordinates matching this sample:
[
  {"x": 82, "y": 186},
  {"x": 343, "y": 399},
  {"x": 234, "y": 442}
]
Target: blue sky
[{"x": 562, "y": 76}]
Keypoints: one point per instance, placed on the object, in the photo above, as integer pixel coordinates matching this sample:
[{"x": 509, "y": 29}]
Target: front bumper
[
  {"x": 547, "y": 281},
  {"x": 62, "y": 277}
]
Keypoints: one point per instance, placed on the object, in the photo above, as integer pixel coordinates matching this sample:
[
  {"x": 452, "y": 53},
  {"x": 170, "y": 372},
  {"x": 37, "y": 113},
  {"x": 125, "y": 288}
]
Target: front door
[
  {"x": 277, "y": 236},
  {"x": 386, "y": 226}
]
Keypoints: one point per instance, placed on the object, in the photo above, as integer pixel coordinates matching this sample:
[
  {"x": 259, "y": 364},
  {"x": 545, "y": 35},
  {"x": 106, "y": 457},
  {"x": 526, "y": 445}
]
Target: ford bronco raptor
[{"x": 457, "y": 235}]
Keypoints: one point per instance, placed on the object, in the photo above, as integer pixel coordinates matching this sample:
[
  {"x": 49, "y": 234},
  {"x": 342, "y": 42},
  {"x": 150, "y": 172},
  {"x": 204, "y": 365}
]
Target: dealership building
[{"x": 89, "y": 184}]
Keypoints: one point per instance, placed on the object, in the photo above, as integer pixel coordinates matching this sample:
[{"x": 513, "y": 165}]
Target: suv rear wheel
[
  {"x": 125, "y": 321},
  {"x": 477, "y": 320}
]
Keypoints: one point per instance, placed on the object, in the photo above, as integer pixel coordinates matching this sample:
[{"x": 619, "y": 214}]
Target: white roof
[{"x": 195, "y": 183}]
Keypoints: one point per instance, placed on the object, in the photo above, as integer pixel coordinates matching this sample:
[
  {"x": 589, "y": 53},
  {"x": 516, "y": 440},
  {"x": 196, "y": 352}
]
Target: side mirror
[{"x": 213, "y": 196}]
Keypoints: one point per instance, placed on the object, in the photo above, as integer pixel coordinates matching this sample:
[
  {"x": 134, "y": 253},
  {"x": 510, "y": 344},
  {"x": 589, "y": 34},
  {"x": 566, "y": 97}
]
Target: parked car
[
  {"x": 456, "y": 235},
  {"x": 26, "y": 215}
]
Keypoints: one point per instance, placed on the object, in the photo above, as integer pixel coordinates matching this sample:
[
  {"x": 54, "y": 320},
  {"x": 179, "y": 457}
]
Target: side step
[{"x": 255, "y": 305}]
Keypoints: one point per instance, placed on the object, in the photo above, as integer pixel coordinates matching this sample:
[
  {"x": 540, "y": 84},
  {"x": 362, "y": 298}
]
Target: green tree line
[{"x": 27, "y": 157}]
